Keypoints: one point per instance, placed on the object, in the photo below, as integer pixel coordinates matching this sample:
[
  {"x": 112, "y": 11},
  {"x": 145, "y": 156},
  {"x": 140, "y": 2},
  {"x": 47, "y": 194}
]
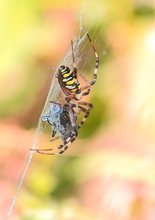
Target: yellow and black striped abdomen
[{"x": 68, "y": 81}]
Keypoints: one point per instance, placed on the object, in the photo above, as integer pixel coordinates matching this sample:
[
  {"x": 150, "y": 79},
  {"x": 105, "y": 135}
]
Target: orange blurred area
[{"x": 108, "y": 172}]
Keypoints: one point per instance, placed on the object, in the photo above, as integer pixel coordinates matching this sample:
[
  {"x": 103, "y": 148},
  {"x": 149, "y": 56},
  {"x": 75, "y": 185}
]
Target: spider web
[{"x": 55, "y": 94}]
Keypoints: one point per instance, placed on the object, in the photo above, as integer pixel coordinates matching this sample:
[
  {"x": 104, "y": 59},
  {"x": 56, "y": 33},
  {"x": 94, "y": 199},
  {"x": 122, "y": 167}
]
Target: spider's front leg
[
  {"x": 87, "y": 92},
  {"x": 95, "y": 70},
  {"x": 96, "y": 62}
]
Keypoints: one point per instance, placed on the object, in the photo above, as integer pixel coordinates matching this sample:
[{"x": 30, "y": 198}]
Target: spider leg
[
  {"x": 54, "y": 139},
  {"x": 86, "y": 111},
  {"x": 47, "y": 149},
  {"x": 43, "y": 151},
  {"x": 38, "y": 150},
  {"x": 69, "y": 97},
  {"x": 86, "y": 81},
  {"x": 70, "y": 105},
  {"x": 89, "y": 105},
  {"x": 75, "y": 72},
  {"x": 96, "y": 64},
  {"x": 72, "y": 95},
  {"x": 73, "y": 58},
  {"x": 54, "y": 130},
  {"x": 95, "y": 70},
  {"x": 62, "y": 147},
  {"x": 87, "y": 92},
  {"x": 67, "y": 144}
]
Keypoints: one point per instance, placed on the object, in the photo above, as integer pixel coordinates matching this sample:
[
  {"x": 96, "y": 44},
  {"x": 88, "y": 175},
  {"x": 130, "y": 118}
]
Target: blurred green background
[{"x": 108, "y": 172}]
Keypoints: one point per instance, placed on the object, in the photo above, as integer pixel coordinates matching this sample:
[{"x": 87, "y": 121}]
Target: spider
[
  {"x": 70, "y": 84},
  {"x": 63, "y": 117},
  {"x": 64, "y": 123},
  {"x": 68, "y": 80}
]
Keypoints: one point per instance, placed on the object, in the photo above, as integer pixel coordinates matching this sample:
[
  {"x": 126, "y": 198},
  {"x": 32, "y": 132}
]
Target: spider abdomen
[{"x": 69, "y": 82}]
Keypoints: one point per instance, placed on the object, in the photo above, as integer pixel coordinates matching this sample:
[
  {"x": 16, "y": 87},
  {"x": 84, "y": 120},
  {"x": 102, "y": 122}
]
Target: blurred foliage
[
  {"x": 66, "y": 180},
  {"x": 99, "y": 117},
  {"x": 144, "y": 11}
]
